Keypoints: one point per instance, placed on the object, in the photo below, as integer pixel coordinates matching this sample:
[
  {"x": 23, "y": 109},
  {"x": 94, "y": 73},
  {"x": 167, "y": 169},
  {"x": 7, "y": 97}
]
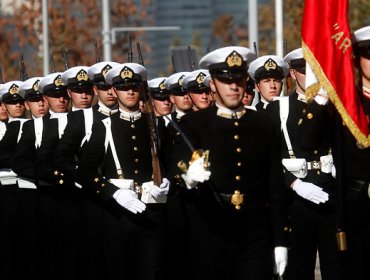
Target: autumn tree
[{"x": 73, "y": 25}]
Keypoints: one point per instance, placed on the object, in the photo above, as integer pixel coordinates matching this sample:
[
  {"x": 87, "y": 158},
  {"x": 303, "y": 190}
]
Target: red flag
[{"x": 327, "y": 49}]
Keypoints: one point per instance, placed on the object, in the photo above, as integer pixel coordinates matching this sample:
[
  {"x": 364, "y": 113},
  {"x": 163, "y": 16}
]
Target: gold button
[
  {"x": 237, "y": 178},
  {"x": 236, "y": 123},
  {"x": 315, "y": 152},
  {"x": 300, "y": 121},
  {"x": 61, "y": 182},
  {"x": 136, "y": 148},
  {"x": 136, "y": 171},
  {"x": 103, "y": 185},
  {"x": 239, "y": 164},
  {"x": 309, "y": 116},
  {"x": 304, "y": 111},
  {"x": 236, "y": 137},
  {"x": 97, "y": 191},
  {"x": 238, "y": 149},
  {"x": 318, "y": 172},
  {"x": 136, "y": 160},
  {"x": 132, "y": 126},
  {"x": 133, "y": 137}
]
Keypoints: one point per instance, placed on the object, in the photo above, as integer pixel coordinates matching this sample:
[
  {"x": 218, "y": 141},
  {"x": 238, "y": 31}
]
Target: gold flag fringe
[{"x": 323, "y": 82}]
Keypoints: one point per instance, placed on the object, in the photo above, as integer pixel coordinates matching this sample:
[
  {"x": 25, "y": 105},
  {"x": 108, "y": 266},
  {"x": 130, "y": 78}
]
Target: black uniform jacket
[
  {"x": 69, "y": 147},
  {"x": 308, "y": 141},
  {"x": 244, "y": 155},
  {"x": 9, "y": 143},
  {"x": 132, "y": 143}
]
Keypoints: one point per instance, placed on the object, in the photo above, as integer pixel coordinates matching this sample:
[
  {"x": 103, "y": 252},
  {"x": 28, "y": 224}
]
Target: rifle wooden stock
[{"x": 154, "y": 137}]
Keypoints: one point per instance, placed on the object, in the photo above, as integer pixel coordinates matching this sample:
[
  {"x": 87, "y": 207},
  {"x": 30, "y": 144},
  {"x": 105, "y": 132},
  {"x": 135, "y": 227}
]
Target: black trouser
[
  {"x": 312, "y": 231},
  {"x": 357, "y": 220},
  {"x": 228, "y": 244}
]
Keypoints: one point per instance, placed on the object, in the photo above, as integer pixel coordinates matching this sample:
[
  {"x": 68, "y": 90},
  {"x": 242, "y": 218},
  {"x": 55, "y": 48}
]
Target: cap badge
[
  {"x": 162, "y": 85},
  {"x": 200, "y": 78},
  {"x": 58, "y": 81},
  {"x": 234, "y": 59},
  {"x": 14, "y": 89},
  {"x": 126, "y": 73},
  {"x": 82, "y": 75},
  {"x": 105, "y": 70},
  {"x": 270, "y": 65},
  {"x": 181, "y": 79},
  {"x": 36, "y": 86}
]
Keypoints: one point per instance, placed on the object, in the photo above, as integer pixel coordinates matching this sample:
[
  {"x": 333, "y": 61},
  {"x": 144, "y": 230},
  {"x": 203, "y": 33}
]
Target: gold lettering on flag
[{"x": 338, "y": 36}]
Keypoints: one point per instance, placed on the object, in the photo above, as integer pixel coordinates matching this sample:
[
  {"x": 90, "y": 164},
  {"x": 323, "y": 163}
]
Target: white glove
[
  {"x": 281, "y": 260},
  {"x": 126, "y": 184},
  {"x": 128, "y": 199},
  {"x": 310, "y": 191},
  {"x": 196, "y": 173},
  {"x": 333, "y": 171},
  {"x": 154, "y": 194}
]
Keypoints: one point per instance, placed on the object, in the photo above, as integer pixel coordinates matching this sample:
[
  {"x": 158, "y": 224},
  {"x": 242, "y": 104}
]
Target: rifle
[
  {"x": 255, "y": 48},
  {"x": 153, "y": 128},
  {"x": 173, "y": 64},
  {"x": 65, "y": 59},
  {"x": 52, "y": 64},
  {"x": 191, "y": 59},
  {"x": 129, "y": 59},
  {"x": 97, "y": 56},
  {"x": 23, "y": 73},
  {"x": 1, "y": 76}
]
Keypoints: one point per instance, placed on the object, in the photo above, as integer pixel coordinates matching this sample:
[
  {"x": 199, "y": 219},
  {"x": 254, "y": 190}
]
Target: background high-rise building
[{"x": 196, "y": 20}]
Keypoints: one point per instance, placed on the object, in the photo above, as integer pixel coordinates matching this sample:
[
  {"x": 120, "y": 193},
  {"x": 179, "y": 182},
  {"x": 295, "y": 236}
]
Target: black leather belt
[{"x": 355, "y": 184}]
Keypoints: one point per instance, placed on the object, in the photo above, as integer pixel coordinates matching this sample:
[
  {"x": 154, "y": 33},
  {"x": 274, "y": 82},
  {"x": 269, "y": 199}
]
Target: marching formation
[{"x": 116, "y": 176}]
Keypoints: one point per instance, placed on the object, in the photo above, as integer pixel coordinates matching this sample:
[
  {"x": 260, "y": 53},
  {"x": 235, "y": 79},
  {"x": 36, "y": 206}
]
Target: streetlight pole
[
  {"x": 279, "y": 28},
  {"x": 45, "y": 41},
  {"x": 107, "y": 44},
  {"x": 253, "y": 23}
]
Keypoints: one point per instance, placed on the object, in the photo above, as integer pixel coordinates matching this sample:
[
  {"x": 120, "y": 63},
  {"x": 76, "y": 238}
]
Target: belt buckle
[
  {"x": 237, "y": 199},
  {"x": 316, "y": 165}
]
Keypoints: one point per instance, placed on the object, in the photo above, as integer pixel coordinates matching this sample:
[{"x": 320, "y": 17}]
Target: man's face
[
  {"x": 3, "y": 112},
  {"x": 128, "y": 96},
  {"x": 300, "y": 79},
  {"x": 16, "y": 110},
  {"x": 161, "y": 107},
  {"x": 82, "y": 97},
  {"x": 269, "y": 88},
  {"x": 58, "y": 101},
  {"x": 365, "y": 69},
  {"x": 38, "y": 106},
  {"x": 105, "y": 94},
  {"x": 201, "y": 99},
  {"x": 182, "y": 102},
  {"x": 229, "y": 92}
]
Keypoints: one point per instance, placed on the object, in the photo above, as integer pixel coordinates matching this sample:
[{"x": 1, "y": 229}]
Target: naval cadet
[
  {"x": 309, "y": 178},
  {"x": 123, "y": 144},
  {"x": 160, "y": 97},
  {"x": 234, "y": 180},
  {"x": 198, "y": 91},
  {"x": 268, "y": 73}
]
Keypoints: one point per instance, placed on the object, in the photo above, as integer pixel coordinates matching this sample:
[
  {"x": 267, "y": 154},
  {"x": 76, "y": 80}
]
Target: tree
[{"x": 73, "y": 25}]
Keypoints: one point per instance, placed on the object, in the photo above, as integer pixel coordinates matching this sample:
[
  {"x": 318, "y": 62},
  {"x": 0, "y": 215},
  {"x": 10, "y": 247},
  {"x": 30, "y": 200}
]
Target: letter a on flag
[{"x": 327, "y": 49}]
